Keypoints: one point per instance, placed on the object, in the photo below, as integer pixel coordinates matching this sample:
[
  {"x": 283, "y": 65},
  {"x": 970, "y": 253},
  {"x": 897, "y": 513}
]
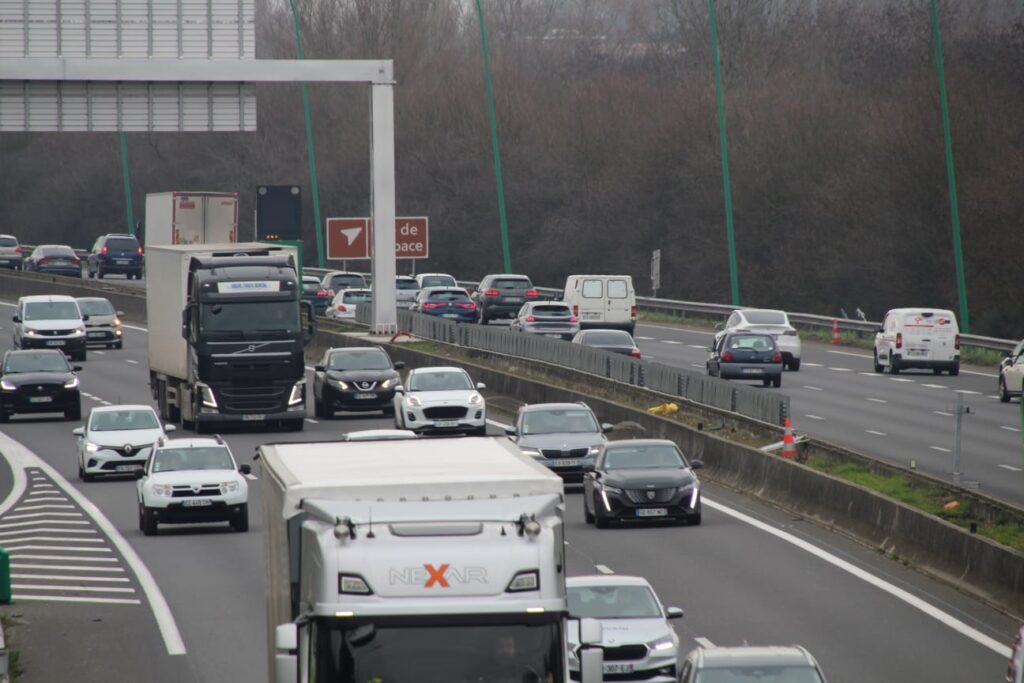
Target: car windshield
[
  {"x": 549, "y": 310},
  {"x": 48, "y": 361},
  {"x": 438, "y": 281},
  {"x": 765, "y": 317},
  {"x": 252, "y": 316},
  {"x": 51, "y": 310},
  {"x": 369, "y": 359},
  {"x": 122, "y": 420},
  {"x": 642, "y": 457},
  {"x": 406, "y": 284},
  {"x": 357, "y": 296},
  {"x": 339, "y": 282},
  {"x": 448, "y": 296},
  {"x": 8, "y": 242},
  {"x": 608, "y": 338},
  {"x": 95, "y": 307},
  {"x": 310, "y": 286},
  {"x": 511, "y": 283},
  {"x": 439, "y": 381},
  {"x": 122, "y": 244},
  {"x": 751, "y": 342},
  {"x": 613, "y": 602},
  {"x": 57, "y": 251},
  {"x": 571, "y": 421},
  {"x": 759, "y": 674},
  {"x": 197, "y": 458}
]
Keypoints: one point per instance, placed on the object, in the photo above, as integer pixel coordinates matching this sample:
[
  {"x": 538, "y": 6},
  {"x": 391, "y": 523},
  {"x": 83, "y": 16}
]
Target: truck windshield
[
  {"x": 431, "y": 651},
  {"x": 250, "y": 317}
]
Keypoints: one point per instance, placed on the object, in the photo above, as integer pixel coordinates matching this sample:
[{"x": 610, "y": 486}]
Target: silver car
[
  {"x": 548, "y": 318},
  {"x": 750, "y": 663},
  {"x": 406, "y": 289},
  {"x": 103, "y": 328},
  {"x": 440, "y": 399},
  {"x": 10, "y": 252}
]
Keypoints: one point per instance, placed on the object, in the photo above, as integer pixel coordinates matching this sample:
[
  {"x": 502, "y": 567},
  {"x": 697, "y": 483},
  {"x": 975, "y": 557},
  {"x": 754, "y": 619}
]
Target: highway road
[{"x": 740, "y": 576}]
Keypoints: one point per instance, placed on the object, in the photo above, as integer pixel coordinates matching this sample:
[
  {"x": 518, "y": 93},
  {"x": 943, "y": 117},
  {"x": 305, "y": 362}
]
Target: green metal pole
[
  {"x": 318, "y": 228},
  {"x": 954, "y": 209},
  {"x": 130, "y": 212},
  {"x": 734, "y": 278},
  {"x": 502, "y": 218}
]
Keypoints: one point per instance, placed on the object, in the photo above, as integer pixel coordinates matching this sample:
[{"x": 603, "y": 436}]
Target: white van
[
  {"x": 918, "y": 338},
  {"x": 602, "y": 301}
]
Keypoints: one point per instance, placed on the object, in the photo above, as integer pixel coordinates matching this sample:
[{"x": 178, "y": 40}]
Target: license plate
[
  {"x": 128, "y": 468},
  {"x": 513, "y": 299},
  {"x": 122, "y": 261},
  {"x": 592, "y": 316},
  {"x": 95, "y": 334},
  {"x": 551, "y": 334},
  {"x": 363, "y": 396},
  {"x": 564, "y": 462},
  {"x": 446, "y": 423},
  {"x": 252, "y": 418},
  {"x": 40, "y": 399},
  {"x": 196, "y": 503},
  {"x": 55, "y": 342},
  {"x": 449, "y": 315},
  {"x": 651, "y": 512},
  {"x": 917, "y": 352},
  {"x": 752, "y": 371},
  {"x": 618, "y": 668}
]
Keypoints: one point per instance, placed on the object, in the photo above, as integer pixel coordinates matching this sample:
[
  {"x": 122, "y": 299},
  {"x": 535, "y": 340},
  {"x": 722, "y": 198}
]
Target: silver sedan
[{"x": 548, "y": 318}]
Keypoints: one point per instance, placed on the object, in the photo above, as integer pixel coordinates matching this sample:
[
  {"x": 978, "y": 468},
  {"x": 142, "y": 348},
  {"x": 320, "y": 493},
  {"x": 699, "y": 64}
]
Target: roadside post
[
  {"x": 655, "y": 272},
  {"x": 5, "y": 576}
]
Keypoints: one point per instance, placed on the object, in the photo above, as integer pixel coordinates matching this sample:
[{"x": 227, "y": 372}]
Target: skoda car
[
  {"x": 39, "y": 382},
  {"x": 103, "y": 323},
  {"x": 357, "y": 379},
  {"x": 188, "y": 481},
  {"x": 560, "y": 435},
  {"x": 639, "y": 643},
  {"x": 117, "y": 440},
  {"x": 750, "y": 663},
  {"x": 441, "y": 399},
  {"x": 641, "y": 479}
]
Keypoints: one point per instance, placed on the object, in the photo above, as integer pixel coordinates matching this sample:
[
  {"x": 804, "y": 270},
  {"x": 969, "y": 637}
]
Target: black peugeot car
[
  {"x": 356, "y": 379},
  {"x": 39, "y": 381},
  {"x": 641, "y": 480}
]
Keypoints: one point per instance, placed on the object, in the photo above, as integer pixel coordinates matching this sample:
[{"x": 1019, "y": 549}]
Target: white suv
[
  {"x": 117, "y": 440},
  {"x": 440, "y": 400},
  {"x": 50, "y": 321},
  {"x": 189, "y": 481},
  {"x": 766, "y": 321}
]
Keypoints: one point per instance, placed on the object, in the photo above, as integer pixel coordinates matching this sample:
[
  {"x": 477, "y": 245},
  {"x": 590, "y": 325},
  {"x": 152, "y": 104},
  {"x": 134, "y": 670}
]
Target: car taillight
[
  {"x": 632, "y": 311},
  {"x": 899, "y": 340},
  {"x": 727, "y": 357},
  {"x": 573, "y": 319},
  {"x": 341, "y": 307},
  {"x": 467, "y": 306},
  {"x": 635, "y": 353},
  {"x": 77, "y": 261},
  {"x": 432, "y": 306},
  {"x": 17, "y": 250},
  {"x": 956, "y": 342},
  {"x": 45, "y": 259},
  {"x": 530, "y": 319},
  {"x": 777, "y": 358},
  {"x": 103, "y": 250},
  {"x": 324, "y": 292},
  {"x": 140, "y": 250},
  {"x": 575, "y": 310},
  {"x": 532, "y": 293},
  {"x": 491, "y": 292}
]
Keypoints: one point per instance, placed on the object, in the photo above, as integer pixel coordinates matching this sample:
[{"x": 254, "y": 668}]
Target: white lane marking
[
  {"x": 603, "y": 569},
  {"x": 899, "y": 593},
  {"x": 16, "y": 551},
  {"x": 312, "y": 421},
  {"x": 61, "y": 558},
  {"x": 876, "y": 400},
  {"x": 499, "y": 425},
  {"x": 670, "y": 341},
  {"x": 1008, "y": 428},
  {"x": 980, "y": 374},
  {"x": 966, "y": 391},
  {"x": 813, "y": 388},
  {"x": 698, "y": 365},
  {"x": 811, "y": 365},
  {"x": 65, "y": 577},
  {"x": 993, "y": 396},
  {"x": 900, "y": 379},
  {"x": 19, "y": 456},
  {"x": 841, "y": 369},
  {"x": 815, "y": 417},
  {"x": 64, "y": 567},
  {"x": 87, "y": 589},
  {"x": 53, "y": 499},
  {"x": 55, "y": 539},
  {"x": 34, "y": 522},
  {"x": 645, "y": 338},
  {"x": 101, "y": 601},
  {"x": 942, "y": 413},
  {"x": 658, "y": 327},
  {"x": 43, "y": 514},
  {"x": 704, "y": 643},
  {"x": 47, "y": 507},
  {"x": 697, "y": 346},
  {"x": 129, "y": 360},
  {"x": 872, "y": 431},
  {"x": 1011, "y": 468},
  {"x": 847, "y": 353},
  {"x": 99, "y": 353},
  {"x": 870, "y": 374},
  {"x": 934, "y": 386},
  {"x": 940, "y": 449}
]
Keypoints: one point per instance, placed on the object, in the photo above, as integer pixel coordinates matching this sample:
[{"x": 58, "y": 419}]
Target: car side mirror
[
  {"x": 881, "y": 330},
  {"x": 674, "y": 613},
  {"x": 169, "y": 428},
  {"x": 587, "y": 465},
  {"x": 319, "y": 368},
  {"x": 696, "y": 464},
  {"x": 245, "y": 468},
  {"x": 481, "y": 385},
  {"x": 76, "y": 368},
  {"x": 16, "y": 318},
  {"x": 139, "y": 474},
  {"x": 607, "y": 427},
  {"x": 399, "y": 389},
  {"x": 719, "y": 326},
  {"x": 511, "y": 431},
  {"x": 400, "y": 365},
  {"x": 78, "y": 431},
  {"x": 120, "y": 314},
  {"x": 84, "y": 318}
]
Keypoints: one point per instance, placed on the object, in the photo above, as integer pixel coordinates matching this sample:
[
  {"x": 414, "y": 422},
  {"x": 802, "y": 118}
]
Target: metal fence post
[{"x": 5, "y": 576}]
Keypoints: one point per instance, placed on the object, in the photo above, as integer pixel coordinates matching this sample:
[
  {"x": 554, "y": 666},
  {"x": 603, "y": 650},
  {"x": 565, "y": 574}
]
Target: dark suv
[
  {"x": 501, "y": 296},
  {"x": 116, "y": 254}
]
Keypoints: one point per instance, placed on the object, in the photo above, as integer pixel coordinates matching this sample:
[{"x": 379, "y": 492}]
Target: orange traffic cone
[
  {"x": 788, "y": 443},
  {"x": 836, "y": 339}
]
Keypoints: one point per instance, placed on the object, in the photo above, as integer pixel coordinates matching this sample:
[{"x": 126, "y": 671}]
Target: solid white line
[
  {"x": 841, "y": 369},
  {"x": 68, "y": 568},
  {"x": 86, "y": 589},
  {"x": 603, "y": 569},
  {"x": 62, "y": 558},
  {"x": 1011, "y": 468},
  {"x": 129, "y": 360},
  {"x": 812, "y": 365},
  {"x": 877, "y": 400},
  {"x": 815, "y": 417},
  {"x": 704, "y": 643},
  {"x": 70, "y": 577},
  {"x": 934, "y": 386},
  {"x": 940, "y": 448},
  {"x": 942, "y": 413},
  {"x": 58, "y": 598},
  {"x": 900, "y": 379},
  {"x": 872, "y": 431},
  {"x": 813, "y": 388},
  {"x": 1009, "y": 429},
  {"x": 847, "y": 353},
  {"x": 18, "y": 455},
  {"x": 41, "y": 514},
  {"x": 899, "y": 593}
]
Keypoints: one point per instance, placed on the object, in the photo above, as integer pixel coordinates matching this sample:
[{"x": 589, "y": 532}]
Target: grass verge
[{"x": 15, "y": 670}]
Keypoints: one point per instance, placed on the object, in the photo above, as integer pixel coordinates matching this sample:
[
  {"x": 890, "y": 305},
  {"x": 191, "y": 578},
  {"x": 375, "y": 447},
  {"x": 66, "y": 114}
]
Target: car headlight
[
  {"x": 71, "y": 383},
  {"x": 206, "y": 394},
  {"x": 298, "y": 394},
  {"x": 475, "y": 398},
  {"x": 338, "y": 383},
  {"x": 91, "y": 447},
  {"x": 228, "y": 487},
  {"x": 414, "y": 401},
  {"x": 532, "y": 452},
  {"x": 694, "y": 494},
  {"x": 594, "y": 450},
  {"x": 162, "y": 490},
  {"x": 662, "y": 646},
  {"x": 7, "y": 386},
  {"x": 78, "y": 331},
  {"x": 611, "y": 489},
  {"x": 386, "y": 383},
  {"x": 117, "y": 322},
  {"x": 31, "y": 333}
]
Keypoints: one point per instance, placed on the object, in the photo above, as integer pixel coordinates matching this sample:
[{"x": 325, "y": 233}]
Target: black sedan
[
  {"x": 39, "y": 381},
  {"x": 641, "y": 480},
  {"x": 355, "y": 379},
  {"x": 57, "y": 259},
  {"x": 612, "y": 341}
]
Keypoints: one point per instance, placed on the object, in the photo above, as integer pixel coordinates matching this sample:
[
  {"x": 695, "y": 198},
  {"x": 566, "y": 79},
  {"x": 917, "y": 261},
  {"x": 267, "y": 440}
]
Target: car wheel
[
  {"x": 874, "y": 358},
  {"x": 4, "y": 416},
  {"x": 794, "y": 365},
  {"x": 80, "y": 356},
  {"x": 389, "y": 411},
  {"x": 74, "y": 412},
  {"x": 600, "y": 521},
  {"x": 318, "y": 408},
  {"x": 777, "y": 381},
  {"x": 695, "y": 520},
  {"x": 149, "y": 523},
  {"x": 119, "y": 345},
  {"x": 295, "y": 425},
  {"x": 483, "y": 318},
  {"x": 936, "y": 371},
  {"x": 766, "y": 382},
  {"x": 479, "y": 431},
  {"x": 955, "y": 370},
  {"x": 1004, "y": 395},
  {"x": 142, "y": 522},
  {"x": 99, "y": 272},
  {"x": 894, "y": 366},
  {"x": 241, "y": 522},
  {"x": 587, "y": 516},
  {"x": 83, "y": 474}
]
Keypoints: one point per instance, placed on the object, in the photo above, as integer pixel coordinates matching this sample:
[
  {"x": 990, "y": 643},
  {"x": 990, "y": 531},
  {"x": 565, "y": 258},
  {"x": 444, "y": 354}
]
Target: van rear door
[
  {"x": 619, "y": 301},
  {"x": 929, "y": 335},
  {"x": 590, "y": 300}
]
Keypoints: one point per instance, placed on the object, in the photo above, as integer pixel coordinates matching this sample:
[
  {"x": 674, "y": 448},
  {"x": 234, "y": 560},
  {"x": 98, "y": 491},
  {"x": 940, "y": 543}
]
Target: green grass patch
[
  {"x": 15, "y": 669},
  {"x": 978, "y": 356},
  {"x": 668, "y": 319}
]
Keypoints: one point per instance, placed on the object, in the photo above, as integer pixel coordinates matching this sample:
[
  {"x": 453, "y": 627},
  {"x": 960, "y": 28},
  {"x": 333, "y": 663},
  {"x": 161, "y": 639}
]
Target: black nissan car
[
  {"x": 641, "y": 480},
  {"x": 39, "y": 381},
  {"x": 356, "y": 379}
]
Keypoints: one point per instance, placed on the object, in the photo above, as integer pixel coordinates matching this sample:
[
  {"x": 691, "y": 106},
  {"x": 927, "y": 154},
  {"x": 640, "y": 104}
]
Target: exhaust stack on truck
[{"x": 416, "y": 560}]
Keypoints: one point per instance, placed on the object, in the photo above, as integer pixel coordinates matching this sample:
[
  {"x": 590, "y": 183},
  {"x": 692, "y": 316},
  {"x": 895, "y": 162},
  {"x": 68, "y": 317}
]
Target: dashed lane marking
[
  {"x": 942, "y": 413},
  {"x": 1009, "y": 429},
  {"x": 940, "y": 449},
  {"x": 698, "y": 365},
  {"x": 603, "y": 569},
  {"x": 697, "y": 346},
  {"x": 901, "y": 379},
  {"x": 1011, "y": 468},
  {"x": 847, "y": 353},
  {"x": 934, "y": 386},
  {"x": 876, "y": 400},
  {"x": 876, "y": 433},
  {"x": 312, "y": 421},
  {"x": 645, "y": 338},
  {"x": 813, "y": 388},
  {"x": 967, "y": 392},
  {"x": 811, "y": 365},
  {"x": 132, "y": 361},
  {"x": 841, "y": 369},
  {"x": 670, "y": 341},
  {"x": 814, "y": 417}
]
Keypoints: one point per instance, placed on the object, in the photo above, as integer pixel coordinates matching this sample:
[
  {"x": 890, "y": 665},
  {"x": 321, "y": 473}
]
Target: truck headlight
[
  {"x": 71, "y": 383},
  {"x": 7, "y": 386},
  {"x": 298, "y": 394},
  {"x": 31, "y": 333},
  {"x": 78, "y": 332},
  {"x": 206, "y": 395},
  {"x": 162, "y": 490},
  {"x": 227, "y": 487}
]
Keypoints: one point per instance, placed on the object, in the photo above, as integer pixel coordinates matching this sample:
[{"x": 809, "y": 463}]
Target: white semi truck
[
  {"x": 416, "y": 560},
  {"x": 191, "y": 218}
]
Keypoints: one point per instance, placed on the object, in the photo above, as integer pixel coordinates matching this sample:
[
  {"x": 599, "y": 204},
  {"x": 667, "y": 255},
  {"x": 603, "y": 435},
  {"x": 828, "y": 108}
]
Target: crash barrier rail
[{"x": 748, "y": 401}]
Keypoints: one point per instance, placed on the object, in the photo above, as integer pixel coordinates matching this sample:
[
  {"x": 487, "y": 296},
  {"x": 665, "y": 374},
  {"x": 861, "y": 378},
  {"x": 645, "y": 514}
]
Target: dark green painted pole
[
  {"x": 954, "y": 208},
  {"x": 502, "y": 218},
  {"x": 734, "y": 278},
  {"x": 318, "y": 228},
  {"x": 129, "y": 211}
]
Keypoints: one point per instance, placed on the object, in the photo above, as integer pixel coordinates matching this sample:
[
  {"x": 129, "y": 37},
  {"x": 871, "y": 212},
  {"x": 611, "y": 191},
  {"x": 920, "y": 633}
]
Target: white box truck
[
  {"x": 226, "y": 334},
  {"x": 416, "y": 560},
  {"x": 191, "y": 218}
]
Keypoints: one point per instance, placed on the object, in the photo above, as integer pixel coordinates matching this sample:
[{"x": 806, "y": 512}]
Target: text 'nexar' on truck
[
  {"x": 227, "y": 334},
  {"x": 417, "y": 561}
]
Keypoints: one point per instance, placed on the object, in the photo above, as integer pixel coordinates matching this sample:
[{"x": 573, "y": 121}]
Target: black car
[
  {"x": 116, "y": 253},
  {"x": 315, "y": 294},
  {"x": 641, "y": 480},
  {"x": 355, "y": 379},
  {"x": 501, "y": 296},
  {"x": 612, "y": 341},
  {"x": 57, "y": 259},
  {"x": 39, "y": 381}
]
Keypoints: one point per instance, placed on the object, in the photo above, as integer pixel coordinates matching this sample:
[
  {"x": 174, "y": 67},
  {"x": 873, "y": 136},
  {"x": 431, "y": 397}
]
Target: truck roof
[{"x": 413, "y": 469}]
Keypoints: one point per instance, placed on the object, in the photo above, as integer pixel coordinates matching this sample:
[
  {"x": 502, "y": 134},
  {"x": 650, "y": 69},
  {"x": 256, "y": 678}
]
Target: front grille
[
  {"x": 40, "y": 389},
  {"x": 624, "y": 653},
  {"x": 445, "y": 412},
  {"x": 54, "y": 333},
  {"x": 247, "y": 400},
  {"x": 131, "y": 452},
  {"x": 190, "y": 492},
  {"x": 642, "y": 495},
  {"x": 568, "y": 453},
  {"x": 364, "y": 386}
]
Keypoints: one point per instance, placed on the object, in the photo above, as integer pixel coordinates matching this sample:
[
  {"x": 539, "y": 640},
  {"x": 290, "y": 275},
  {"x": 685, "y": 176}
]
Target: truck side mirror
[
  {"x": 591, "y": 654},
  {"x": 84, "y": 318},
  {"x": 16, "y": 318},
  {"x": 286, "y": 659}
]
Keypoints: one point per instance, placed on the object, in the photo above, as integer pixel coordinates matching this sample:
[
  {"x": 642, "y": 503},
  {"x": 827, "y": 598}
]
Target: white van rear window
[
  {"x": 617, "y": 289},
  {"x": 593, "y": 289}
]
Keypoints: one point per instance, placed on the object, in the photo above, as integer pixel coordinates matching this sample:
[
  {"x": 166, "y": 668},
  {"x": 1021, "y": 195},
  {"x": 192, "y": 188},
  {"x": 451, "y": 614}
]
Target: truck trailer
[
  {"x": 191, "y": 218},
  {"x": 226, "y": 334},
  {"x": 416, "y": 560}
]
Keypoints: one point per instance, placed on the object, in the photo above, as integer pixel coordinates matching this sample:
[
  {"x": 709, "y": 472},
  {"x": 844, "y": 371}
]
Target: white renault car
[
  {"x": 117, "y": 440},
  {"x": 440, "y": 399},
  {"x": 188, "y": 481},
  {"x": 765, "y": 321},
  {"x": 639, "y": 643}
]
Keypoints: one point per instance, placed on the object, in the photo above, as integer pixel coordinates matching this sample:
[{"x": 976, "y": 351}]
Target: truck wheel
[
  {"x": 894, "y": 366},
  {"x": 241, "y": 522},
  {"x": 794, "y": 365},
  {"x": 4, "y": 416},
  {"x": 147, "y": 519}
]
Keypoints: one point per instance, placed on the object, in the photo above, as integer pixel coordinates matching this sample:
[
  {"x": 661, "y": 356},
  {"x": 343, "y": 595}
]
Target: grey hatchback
[{"x": 549, "y": 318}]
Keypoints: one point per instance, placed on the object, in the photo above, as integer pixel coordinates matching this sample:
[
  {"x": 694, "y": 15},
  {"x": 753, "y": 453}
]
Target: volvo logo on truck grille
[{"x": 439, "y": 576}]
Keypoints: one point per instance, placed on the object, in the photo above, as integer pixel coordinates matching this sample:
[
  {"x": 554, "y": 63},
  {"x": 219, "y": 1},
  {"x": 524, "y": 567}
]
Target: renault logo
[{"x": 128, "y": 449}]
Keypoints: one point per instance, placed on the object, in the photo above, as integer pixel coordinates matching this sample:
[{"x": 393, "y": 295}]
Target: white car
[
  {"x": 638, "y": 641},
  {"x": 50, "y": 321},
  {"x": 406, "y": 289},
  {"x": 345, "y": 303},
  {"x": 435, "y": 280},
  {"x": 441, "y": 399},
  {"x": 188, "y": 481},
  {"x": 765, "y": 321},
  {"x": 1011, "y": 374},
  {"x": 117, "y": 440}
]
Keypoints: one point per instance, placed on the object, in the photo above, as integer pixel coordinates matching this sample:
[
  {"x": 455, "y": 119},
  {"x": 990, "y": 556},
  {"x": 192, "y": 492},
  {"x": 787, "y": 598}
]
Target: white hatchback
[
  {"x": 117, "y": 440},
  {"x": 766, "y": 321},
  {"x": 345, "y": 303},
  {"x": 441, "y": 399}
]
